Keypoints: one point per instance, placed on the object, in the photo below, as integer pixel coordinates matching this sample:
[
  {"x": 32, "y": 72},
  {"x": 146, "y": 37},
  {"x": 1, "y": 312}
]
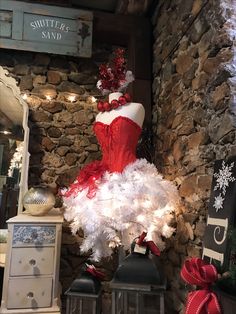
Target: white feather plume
[{"x": 125, "y": 205}]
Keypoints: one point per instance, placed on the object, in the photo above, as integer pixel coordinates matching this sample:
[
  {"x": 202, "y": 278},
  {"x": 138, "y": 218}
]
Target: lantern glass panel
[
  {"x": 130, "y": 299},
  {"x": 136, "y": 302},
  {"x": 125, "y": 302},
  {"x": 151, "y": 304},
  {"x": 77, "y": 305}
]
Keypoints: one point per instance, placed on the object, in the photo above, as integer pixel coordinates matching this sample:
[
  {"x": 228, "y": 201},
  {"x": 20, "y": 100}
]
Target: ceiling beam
[
  {"x": 121, "y": 6},
  {"x": 133, "y": 7}
]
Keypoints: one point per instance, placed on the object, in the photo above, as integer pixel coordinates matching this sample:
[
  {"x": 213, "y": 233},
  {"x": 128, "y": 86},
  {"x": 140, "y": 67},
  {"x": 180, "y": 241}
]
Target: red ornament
[
  {"x": 122, "y": 100},
  {"x": 114, "y": 103},
  {"x": 100, "y": 106},
  {"x": 127, "y": 97},
  {"x": 106, "y": 106}
]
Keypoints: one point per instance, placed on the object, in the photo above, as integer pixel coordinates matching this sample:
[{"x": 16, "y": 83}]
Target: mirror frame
[{"x": 10, "y": 83}]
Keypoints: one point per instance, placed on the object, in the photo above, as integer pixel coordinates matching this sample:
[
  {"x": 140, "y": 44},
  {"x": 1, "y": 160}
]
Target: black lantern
[
  {"x": 84, "y": 294},
  {"x": 138, "y": 285}
]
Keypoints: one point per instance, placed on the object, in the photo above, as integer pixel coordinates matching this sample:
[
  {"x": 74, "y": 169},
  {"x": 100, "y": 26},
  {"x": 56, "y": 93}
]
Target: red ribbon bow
[
  {"x": 196, "y": 272},
  {"x": 150, "y": 244},
  {"x": 96, "y": 273}
]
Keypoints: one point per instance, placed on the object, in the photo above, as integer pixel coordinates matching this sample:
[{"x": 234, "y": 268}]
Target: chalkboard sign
[
  {"x": 44, "y": 28},
  {"x": 221, "y": 213}
]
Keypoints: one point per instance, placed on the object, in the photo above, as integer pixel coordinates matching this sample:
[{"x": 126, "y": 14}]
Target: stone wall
[
  {"x": 61, "y": 135},
  {"x": 193, "y": 115}
]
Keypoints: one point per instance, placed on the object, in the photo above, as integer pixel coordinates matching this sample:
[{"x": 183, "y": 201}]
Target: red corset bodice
[{"x": 118, "y": 142}]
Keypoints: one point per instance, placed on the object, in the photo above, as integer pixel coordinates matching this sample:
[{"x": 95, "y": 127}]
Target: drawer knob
[
  {"x": 32, "y": 262},
  {"x": 30, "y": 295}
]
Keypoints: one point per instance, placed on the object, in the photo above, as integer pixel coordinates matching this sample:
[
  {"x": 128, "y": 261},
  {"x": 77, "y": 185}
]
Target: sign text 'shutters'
[{"x": 43, "y": 28}]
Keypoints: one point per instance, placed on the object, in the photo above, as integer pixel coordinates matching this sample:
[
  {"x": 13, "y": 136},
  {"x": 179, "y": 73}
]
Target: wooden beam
[
  {"x": 138, "y": 7},
  {"x": 66, "y": 3},
  {"x": 135, "y": 34}
]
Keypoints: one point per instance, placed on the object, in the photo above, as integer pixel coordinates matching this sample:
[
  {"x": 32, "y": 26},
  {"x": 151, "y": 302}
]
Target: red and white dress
[{"x": 119, "y": 197}]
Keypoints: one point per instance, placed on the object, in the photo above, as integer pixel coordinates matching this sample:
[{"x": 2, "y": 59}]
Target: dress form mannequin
[
  {"x": 134, "y": 111},
  {"x": 118, "y": 197}
]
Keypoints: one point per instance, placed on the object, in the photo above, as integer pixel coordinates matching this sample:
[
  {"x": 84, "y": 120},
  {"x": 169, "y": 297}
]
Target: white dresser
[{"x": 31, "y": 275}]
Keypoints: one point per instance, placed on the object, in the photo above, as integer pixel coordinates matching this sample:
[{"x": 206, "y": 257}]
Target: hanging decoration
[
  {"x": 113, "y": 76},
  {"x": 223, "y": 178}
]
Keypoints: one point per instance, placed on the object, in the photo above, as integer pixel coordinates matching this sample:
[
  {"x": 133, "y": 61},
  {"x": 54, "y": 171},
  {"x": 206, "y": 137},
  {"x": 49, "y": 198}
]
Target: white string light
[
  {"x": 140, "y": 218},
  {"x": 72, "y": 98},
  {"x": 48, "y": 97}
]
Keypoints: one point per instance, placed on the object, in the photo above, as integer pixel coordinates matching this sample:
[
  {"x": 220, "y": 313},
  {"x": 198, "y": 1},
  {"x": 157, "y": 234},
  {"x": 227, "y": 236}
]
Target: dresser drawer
[
  {"x": 32, "y": 261},
  {"x": 29, "y": 293},
  {"x": 33, "y": 235}
]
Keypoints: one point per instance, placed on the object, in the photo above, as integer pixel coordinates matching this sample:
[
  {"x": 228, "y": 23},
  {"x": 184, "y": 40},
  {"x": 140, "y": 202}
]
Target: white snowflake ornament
[
  {"x": 224, "y": 177},
  {"x": 218, "y": 204}
]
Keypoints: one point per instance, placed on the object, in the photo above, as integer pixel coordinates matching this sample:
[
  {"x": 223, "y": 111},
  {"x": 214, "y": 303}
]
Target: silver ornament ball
[{"x": 38, "y": 201}]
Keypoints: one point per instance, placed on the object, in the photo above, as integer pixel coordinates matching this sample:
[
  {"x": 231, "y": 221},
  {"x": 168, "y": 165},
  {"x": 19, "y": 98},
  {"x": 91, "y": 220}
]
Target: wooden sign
[
  {"x": 221, "y": 213},
  {"x": 44, "y": 28}
]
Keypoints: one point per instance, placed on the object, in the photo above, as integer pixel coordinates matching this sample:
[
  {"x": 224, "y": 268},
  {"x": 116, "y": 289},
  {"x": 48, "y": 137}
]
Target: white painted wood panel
[
  {"x": 32, "y": 261},
  {"x": 42, "y": 28},
  {"x": 29, "y": 293}
]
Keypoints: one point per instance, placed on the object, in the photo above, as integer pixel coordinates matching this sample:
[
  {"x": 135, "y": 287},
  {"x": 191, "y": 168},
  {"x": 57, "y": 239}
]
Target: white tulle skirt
[{"x": 125, "y": 205}]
